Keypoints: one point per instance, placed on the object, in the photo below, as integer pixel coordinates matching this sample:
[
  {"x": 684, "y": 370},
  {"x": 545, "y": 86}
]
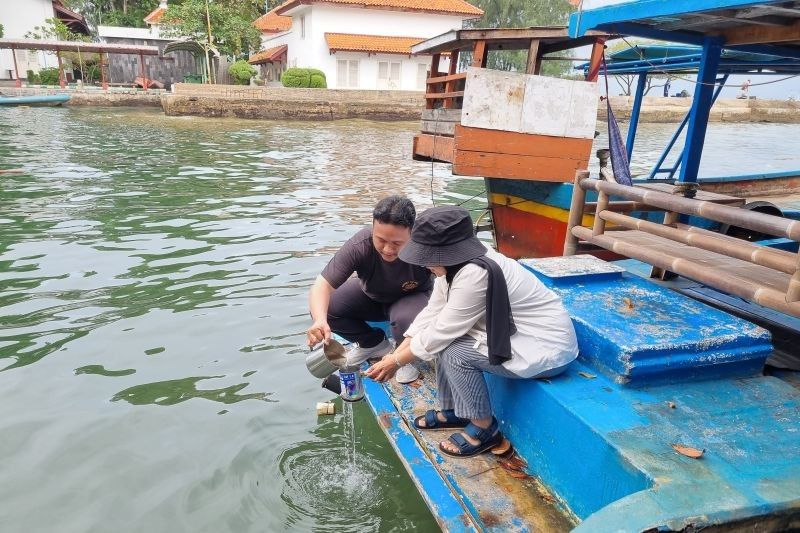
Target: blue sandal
[
  {"x": 487, "y": 439},
  {"x": 432, "y": 421}
]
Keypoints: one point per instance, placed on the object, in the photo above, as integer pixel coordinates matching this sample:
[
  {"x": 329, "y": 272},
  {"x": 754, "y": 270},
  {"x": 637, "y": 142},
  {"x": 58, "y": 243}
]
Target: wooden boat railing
[{"x": 766, "y": 276}]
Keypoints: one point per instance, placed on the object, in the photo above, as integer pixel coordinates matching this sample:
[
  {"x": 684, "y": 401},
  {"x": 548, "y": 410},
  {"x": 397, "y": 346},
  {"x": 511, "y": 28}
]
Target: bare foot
[{"x": 439, "y": 416}]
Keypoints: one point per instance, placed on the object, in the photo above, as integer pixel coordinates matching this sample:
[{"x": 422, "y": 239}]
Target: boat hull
[{"x": 46, "y": 100}]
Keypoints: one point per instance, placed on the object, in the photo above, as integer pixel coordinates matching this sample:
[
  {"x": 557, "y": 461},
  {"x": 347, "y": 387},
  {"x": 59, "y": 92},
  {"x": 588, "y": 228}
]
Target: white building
[
  {"x": 23, "y": 17},
  {"x": 359, "y": 44}
]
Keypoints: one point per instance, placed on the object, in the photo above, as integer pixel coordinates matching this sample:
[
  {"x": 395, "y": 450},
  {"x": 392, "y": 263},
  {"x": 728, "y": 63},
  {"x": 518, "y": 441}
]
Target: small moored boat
[{"x": 37, "y": 100}]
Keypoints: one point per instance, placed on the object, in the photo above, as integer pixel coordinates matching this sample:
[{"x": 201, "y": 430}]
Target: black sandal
[
  {"x": 487, "y": 439},
  {"x": 432, "y": 421}
]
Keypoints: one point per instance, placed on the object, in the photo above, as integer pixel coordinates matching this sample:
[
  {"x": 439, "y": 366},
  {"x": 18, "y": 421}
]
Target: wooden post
[
  {"x": 432, "y": 74},
  {"x": 60, "y": 71},
  {"x": 576, "y": 208},
  {"x": 534, "y": 63},
  {"x": 793, "y": 292},
  {"x": 596, "y": 60},
  {"x": 16, "y": 68},
  {"x": 599, "y": 224},
  {"x": 450, "y": 86},
  {"x": 103, "y": 81},
  {"x": 141, "y": 69},
  {"x": 479, "y": 54}
]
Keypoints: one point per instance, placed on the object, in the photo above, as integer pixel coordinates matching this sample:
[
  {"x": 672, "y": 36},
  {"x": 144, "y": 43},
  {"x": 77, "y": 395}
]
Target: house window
[
  {"x": 388, "y": 75},
  {"x": 422, "y": 76},
  {"x": 347, "y": 73},
  {"x": 303, "y": 27}
]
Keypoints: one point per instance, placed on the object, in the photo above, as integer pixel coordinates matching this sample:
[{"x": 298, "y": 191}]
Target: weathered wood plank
[
  {"x": 436, "y": 147},
  {"x": 441, "y": 96},
  {"x": 446, "y": 78},
  {"x": 442, "y": 128},
  {"x": 442, "y": 115},
  {"x": 513, "y": 143},
  {"x": 512, "y": 166}
]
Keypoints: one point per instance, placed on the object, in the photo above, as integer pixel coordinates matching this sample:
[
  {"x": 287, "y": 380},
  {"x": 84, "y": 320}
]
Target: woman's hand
[{"x": 383, "y": 370}]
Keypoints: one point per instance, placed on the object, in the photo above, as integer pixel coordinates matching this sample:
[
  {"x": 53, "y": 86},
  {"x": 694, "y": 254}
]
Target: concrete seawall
[
  {"x": 269, "y": 103},
  {"x": 116, "y": 97},
  {"x": 277, "y": 103}
]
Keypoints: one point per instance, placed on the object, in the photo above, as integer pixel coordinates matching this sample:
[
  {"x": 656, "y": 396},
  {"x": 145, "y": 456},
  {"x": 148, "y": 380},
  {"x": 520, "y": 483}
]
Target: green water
[
  {"x": 152, "y": 305},
  {"x": 153, "y": 281}
]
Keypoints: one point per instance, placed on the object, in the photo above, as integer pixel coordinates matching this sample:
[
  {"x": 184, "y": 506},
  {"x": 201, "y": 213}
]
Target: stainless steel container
[{"x": 325, "y": 359}]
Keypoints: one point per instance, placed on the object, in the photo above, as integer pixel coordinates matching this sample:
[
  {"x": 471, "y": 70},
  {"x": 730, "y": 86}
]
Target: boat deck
[{"x": 475, "y": 494}]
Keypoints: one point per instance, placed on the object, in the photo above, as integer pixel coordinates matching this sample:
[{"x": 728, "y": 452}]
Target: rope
[{"x": 674, "y": 76}]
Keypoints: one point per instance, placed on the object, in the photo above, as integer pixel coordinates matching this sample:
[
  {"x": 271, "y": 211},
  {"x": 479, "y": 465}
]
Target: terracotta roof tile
[
  {"x": 155, "y": 15},
  {"x": 447, "y": 7},
  {"x": 351, "y": 42},
  {"x": 268, "y": 54},
  {"x": 272, "y": 22}
]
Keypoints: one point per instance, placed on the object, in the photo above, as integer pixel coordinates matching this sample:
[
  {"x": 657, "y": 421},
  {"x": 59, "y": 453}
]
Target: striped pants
[{"x": 460, "y": 381}]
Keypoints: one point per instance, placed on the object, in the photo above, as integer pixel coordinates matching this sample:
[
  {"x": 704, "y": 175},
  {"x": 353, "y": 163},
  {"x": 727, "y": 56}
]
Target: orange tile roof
[
  {"x": 350, "y": 42},
  {"x": 445, "y": 7},
  {"x": 272, "y": 22},
  {"x": 268, "y": 55},
  {"x": 155, "y": 15}
]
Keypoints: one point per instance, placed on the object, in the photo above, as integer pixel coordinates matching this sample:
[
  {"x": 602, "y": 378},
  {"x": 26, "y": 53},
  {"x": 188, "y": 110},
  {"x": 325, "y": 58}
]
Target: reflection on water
[
  {"x": 180, "y": 390},
  {"x": 174, "y": 256}
]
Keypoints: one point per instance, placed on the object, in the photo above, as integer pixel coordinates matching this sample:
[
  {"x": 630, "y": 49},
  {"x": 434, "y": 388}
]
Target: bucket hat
[{"x": 442, "y": 236}]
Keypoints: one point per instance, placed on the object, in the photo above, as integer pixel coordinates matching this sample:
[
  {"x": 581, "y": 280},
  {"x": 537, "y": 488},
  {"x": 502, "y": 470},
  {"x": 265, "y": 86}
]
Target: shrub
[
  {"x": 296, "y": 77},
  {"x": 241, "y": 72},
  {"x": 48, "y": 76},
  {"x": 318, "y": 80},
  {"x": 304, "y": 77},
  {"x": 33, "y": 78}
]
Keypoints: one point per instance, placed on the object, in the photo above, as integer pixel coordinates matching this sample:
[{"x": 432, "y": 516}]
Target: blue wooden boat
[
  {"x": 35, "y": 100},
  {"x": 667, "y": 421}
]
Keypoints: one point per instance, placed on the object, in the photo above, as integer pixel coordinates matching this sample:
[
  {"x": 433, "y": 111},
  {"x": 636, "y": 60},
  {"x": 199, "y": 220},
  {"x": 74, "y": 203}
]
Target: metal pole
[
  {"x": 668, "y": 149},
  {"x": 701, "y": 107},
  {"x": 637, "y": 107}
]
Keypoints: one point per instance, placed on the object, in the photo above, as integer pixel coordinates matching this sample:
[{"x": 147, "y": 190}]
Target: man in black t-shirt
[{"x": 385, "y": 288}]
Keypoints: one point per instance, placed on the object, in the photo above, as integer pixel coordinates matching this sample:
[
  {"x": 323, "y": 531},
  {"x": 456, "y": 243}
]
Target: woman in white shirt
[{"x": 486, "y": 314}]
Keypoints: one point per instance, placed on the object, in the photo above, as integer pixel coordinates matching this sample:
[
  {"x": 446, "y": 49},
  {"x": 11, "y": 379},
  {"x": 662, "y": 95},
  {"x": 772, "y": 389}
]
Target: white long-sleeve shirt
[{"x": 545, "y": 338}]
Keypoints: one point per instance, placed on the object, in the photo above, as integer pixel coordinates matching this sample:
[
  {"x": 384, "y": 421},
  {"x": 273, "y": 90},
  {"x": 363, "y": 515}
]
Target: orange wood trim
[
  {"x": 514, "y": 166},
  {"x": 449, "y": 77},
  {"x": 513, "y": 143},
  {"x": 440, "y": 96},
  {"x": 431, "y": 74},
  {"x": 596, "y": 59},
  {"x": 479, "y": 54},
  {"x": 427, "y": 146}
]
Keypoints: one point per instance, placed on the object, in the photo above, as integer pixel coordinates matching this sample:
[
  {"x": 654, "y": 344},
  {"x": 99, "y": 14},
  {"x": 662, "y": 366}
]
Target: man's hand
[
  {"x": 318, "y": 332},
  {"x": 383, "y": 370}
]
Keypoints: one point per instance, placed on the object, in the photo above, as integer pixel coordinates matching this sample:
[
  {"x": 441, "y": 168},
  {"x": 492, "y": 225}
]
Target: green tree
[
  {"x": 522, "y": 14},
  {"x": 129, "y": 13},
  {"x": 232, "y": 31}
]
